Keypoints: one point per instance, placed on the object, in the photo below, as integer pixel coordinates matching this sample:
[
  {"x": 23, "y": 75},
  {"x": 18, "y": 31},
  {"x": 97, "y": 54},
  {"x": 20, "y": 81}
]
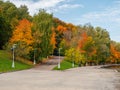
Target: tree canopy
[{"x": 43, "y": 34}]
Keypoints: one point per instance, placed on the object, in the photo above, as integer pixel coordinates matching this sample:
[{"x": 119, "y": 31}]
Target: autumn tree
[
  {"x": 22, "y": 36},
  {"x": 86, "y": 46},
  {"x": 61, "y": 29},
  {"x": 64, "y": 33},
  {"x": 53, "y": 41},
  {"x": 94, "y": 43},
  {"x": 11, "y": 15},
  {"x": 115, "y": 55},
  {"x": 75, "y": 56}
]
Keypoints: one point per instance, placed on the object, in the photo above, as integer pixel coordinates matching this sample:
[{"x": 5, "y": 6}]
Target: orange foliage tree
[
  {"x": 22, "y": 36},
  {"x": 115, "y": 55},
  {"x": 53, "y": 40},
  {"x": 82, "y": 41},
  {"x": 61, "y": 28}
]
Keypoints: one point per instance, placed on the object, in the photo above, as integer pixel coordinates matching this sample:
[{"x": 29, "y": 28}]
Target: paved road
[
  {"x": 50, "y": 64},
  {"x": 83, "y": 78}
]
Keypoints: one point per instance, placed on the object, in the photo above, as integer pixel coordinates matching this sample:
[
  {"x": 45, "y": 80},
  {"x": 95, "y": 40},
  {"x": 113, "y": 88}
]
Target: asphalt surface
[
  {"x": 49, "y": 64},
  {"x": 82, "y": 78}
]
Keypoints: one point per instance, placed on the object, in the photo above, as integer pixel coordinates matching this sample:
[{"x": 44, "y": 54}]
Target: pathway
[
  {"x": 48, "y": 65},
  {"x": 82, "y": 78}
]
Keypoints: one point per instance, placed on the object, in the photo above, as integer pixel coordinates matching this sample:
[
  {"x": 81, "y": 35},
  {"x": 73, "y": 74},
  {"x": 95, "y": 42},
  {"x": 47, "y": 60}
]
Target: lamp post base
[
  {"x": 59, "y": 66},
  {"x": 73, "y": 65},
  {"x": 34, "y": 62},
  {"x": 13, "y": 65}
]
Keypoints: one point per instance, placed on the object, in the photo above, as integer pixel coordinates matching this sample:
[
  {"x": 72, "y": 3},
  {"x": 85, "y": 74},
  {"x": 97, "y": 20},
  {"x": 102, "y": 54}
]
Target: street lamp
[
  {"x": 59, "y": 59},
  {"x": 13, "y": 62},
  {"x": 73, "y": 60},
  {"x": 34, "y": 58}
]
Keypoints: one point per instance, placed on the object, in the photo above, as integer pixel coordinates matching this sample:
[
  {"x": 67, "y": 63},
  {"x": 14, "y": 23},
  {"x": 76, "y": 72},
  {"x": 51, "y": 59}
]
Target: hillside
[{"x": 6, "y": 63}]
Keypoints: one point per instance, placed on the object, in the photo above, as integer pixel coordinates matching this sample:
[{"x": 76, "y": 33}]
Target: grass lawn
[
  {"x": 6, "y": 63},
  {"x": 64, "y": 65}
]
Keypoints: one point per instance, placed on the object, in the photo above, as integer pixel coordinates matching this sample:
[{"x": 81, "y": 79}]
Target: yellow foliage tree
[{"x": 74, "y": 55}]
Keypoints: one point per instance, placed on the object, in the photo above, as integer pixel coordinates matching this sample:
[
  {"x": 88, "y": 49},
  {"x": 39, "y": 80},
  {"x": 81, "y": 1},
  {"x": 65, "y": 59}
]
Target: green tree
[
  {"x": 23, "y": 13},
  {"x": 5, "y": 31},
  {"x": 42, "y": 23},
  {"x": 102, "y": 42}
]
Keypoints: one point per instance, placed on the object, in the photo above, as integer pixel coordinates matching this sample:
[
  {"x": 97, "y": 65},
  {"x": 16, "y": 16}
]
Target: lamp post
[
  {"x": 73, "y": 60},
  {"x": 34, "y": 58},
  {"x": 59, "y": 59},
  {"x": 13, "y": 62}
]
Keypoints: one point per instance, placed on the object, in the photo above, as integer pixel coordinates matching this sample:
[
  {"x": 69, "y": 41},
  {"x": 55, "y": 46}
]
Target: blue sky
[{"x": 103, "y": 13}]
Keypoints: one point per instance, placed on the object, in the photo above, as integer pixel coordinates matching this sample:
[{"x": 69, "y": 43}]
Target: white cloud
[
  {"x": 62, "y": 8},
  {"x": 35, "y": 6},
  {"x": 107, "y": 15},
  {"x": 70, "y": 6},
  {"x": 54, "y": 5}
]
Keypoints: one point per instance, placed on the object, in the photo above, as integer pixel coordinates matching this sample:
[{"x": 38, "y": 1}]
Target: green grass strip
[{"x": 64, "y": 65}]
